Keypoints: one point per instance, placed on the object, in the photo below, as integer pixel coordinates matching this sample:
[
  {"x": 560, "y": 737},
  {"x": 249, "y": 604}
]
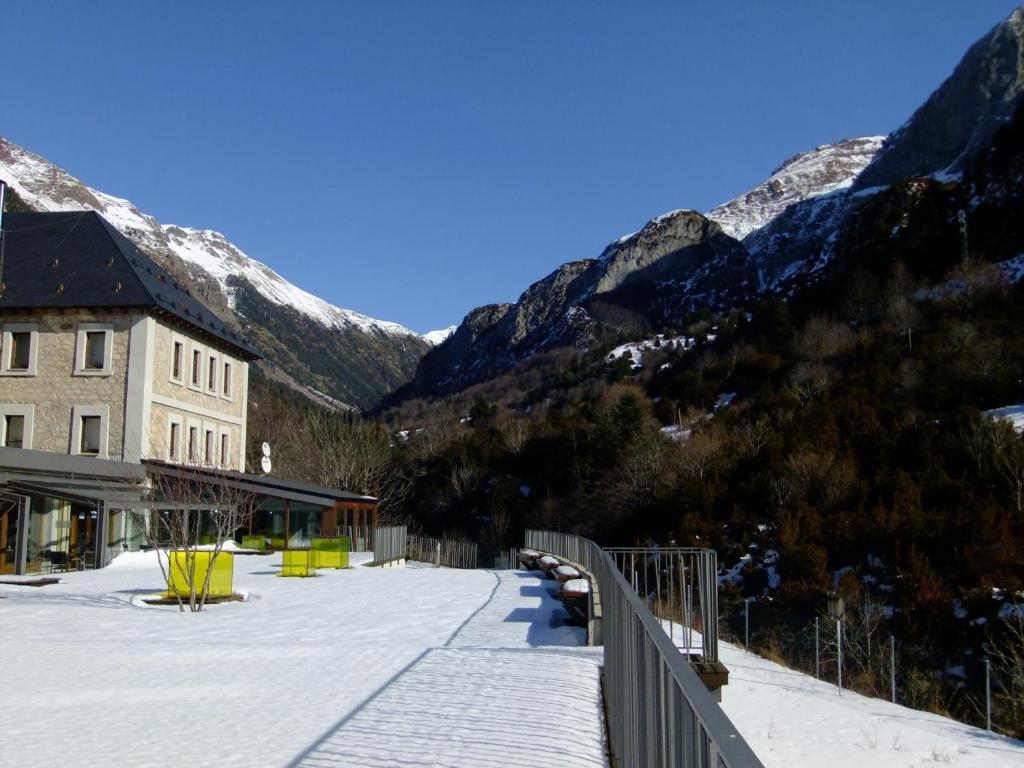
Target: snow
[
  {"x": 45, "y": 187},
  {"x": 675, "y": 432},
  {"x": 636, "y": 349},
  {"x": 433, "y": 338},
  {"x": 362, "y": 667},
  {"x": 791, "y": 719},
  {"x": 1013, "y": 414},
  {"x": 580, "y": 586},
  {"x": 823, "y": 170},
  {"x": 1013, "y": 268},
  {"x": 371, "y": 667}
]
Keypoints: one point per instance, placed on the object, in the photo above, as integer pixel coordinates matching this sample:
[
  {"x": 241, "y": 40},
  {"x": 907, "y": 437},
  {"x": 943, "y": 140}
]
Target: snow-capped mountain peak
[
  {"x": 433, "y": 338},
  {"x": 207, "y": 254},
  {"x": 822, "y": 170}
]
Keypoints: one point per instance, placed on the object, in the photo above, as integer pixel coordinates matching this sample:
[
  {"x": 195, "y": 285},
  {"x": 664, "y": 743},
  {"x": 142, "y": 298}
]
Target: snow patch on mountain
[
  {"x": 45, "y": 187},
  {"x": 825, "y": 169},
  {"x": 436, "y": 337}
]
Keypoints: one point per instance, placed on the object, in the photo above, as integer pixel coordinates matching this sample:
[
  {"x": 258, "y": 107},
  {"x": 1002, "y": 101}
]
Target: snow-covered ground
[
  {"x": 636, "y": 349},
  {"x": 790, "y": 719},
  {"x": 362, "y": 667},
  {"x": 372, "y": 668}
]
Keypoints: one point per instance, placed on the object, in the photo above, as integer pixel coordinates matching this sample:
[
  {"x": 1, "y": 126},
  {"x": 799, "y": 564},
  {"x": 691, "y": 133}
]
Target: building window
[
  {"x": 16, "y": 425},
  {"x": 178, "y": 361},
  {"x": 94, "y": 343},
  {"x": 209, "y": 446},
  {"x": 89, "y": 444},
  {"x": 93, "y": 349},
  {"x": 14, "y": 431},
  {"x": 197, "y": 368},
  {"x": 225, "y": 450},
  {"x": 20, "y": 349},
  {"x": 211, "y": 374},
  {"x": 227, "y": 380},
  {"x": 89, "y": 430},
  {"x": 193, "y": 443},
  {"x": 174, "y": 444},
  {"x": 21, "y": 343}
]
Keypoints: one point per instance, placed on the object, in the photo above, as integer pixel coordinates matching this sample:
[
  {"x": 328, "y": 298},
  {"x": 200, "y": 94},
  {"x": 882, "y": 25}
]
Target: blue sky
[{"x": 413, "y": 160}]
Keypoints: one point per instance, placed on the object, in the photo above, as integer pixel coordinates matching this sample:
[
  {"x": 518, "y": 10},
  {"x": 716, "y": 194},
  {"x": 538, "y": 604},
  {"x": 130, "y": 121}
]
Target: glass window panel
[
  {"x": 177, "y": 360},
  {"x": 14, "y": 431},
  {"x": 90, "y": 435},
  {"x": 95, "y": 346},
  {"x": 20, "y": 343}
]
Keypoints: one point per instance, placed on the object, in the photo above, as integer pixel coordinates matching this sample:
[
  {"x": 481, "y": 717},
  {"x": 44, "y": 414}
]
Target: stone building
[
  {"x": 112, "y": 377},
  {"x": 105, "y": 354}
]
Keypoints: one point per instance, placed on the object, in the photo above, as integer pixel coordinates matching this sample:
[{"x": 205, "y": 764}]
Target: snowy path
[{"x": 363, "y": 667}]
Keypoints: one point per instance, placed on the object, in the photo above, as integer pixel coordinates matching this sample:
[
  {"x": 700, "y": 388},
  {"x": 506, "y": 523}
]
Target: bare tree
[
  {"x": 1008, "y": 455},
  {"x": 463, "y": 478},
  {"x": 188, "y": 510},
  {"x": 754, "y": 434},
  {"x": 698, "y": 453},
  {"x": 643, "y": 468},
  {"x": 1007, "y": 654},
  {"x": 514, "y": 431},
  {"x": 900, "y": 309},
  {"x": 345, "y": 451}
]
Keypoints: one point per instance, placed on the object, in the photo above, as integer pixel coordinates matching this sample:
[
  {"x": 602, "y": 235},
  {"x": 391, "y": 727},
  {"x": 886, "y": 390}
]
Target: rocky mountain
[
  {"x": 960, "y": 118},
  {"x": 858, "y": 202},
  {"x": 805, "y": 176},
  {"x": 337, "y": 356},
  {"x": 676, "y": 264}
]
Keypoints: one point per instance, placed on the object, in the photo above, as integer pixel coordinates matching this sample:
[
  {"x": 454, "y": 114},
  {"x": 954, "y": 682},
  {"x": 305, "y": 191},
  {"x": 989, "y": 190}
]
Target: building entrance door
[{"x": 82, "y": 549}]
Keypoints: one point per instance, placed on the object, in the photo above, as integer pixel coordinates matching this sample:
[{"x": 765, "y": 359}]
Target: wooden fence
[{"x": 451, "y": 553}]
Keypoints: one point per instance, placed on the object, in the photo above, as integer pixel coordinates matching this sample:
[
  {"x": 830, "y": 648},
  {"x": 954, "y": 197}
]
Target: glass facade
[{"x": 61, "y": 535}]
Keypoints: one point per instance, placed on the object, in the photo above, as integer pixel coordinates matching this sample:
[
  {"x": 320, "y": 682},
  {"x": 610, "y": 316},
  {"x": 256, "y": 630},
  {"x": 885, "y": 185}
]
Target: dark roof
[
  {"x": 263, "y": 485},
  {"x": 79, "y": 260}
]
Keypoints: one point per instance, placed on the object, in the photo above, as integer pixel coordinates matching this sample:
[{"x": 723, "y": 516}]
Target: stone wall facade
[
  {"x": 136, "y": 393},
  {"x": 56, "y": 390}
]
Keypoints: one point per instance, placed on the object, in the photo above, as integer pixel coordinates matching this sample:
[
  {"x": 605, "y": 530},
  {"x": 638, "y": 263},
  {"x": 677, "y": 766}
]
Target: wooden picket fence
[{"x": 450, "y": 553}]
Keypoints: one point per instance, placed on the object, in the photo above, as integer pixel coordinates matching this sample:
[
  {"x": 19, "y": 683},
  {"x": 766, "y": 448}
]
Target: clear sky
[{"x": 413, "y": 160}]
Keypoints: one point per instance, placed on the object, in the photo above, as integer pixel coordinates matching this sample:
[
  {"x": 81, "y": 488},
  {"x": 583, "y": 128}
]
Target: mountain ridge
[{"x": 217, "y": 270}]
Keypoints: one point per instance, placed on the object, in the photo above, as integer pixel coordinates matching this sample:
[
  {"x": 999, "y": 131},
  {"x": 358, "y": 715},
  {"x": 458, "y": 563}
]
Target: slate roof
[{"x": 77, "y": 259}]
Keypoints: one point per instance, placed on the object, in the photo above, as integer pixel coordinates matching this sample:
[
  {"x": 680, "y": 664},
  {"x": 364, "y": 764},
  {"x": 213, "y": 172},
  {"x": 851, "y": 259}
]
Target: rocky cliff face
[
  {"x": 335, "y": 355},
  {"x": 961, "y": 116},
  {"x": 808, "y": 175},
  {"x": 678, "y": 262}
]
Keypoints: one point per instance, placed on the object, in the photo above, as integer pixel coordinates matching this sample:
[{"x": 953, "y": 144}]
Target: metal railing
[
  {"x": 659, "y": 712},
  {"x": 389, "y": 543},
  {"x": 451, "y": 553},
  {"x": 678, "y": 585}
]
